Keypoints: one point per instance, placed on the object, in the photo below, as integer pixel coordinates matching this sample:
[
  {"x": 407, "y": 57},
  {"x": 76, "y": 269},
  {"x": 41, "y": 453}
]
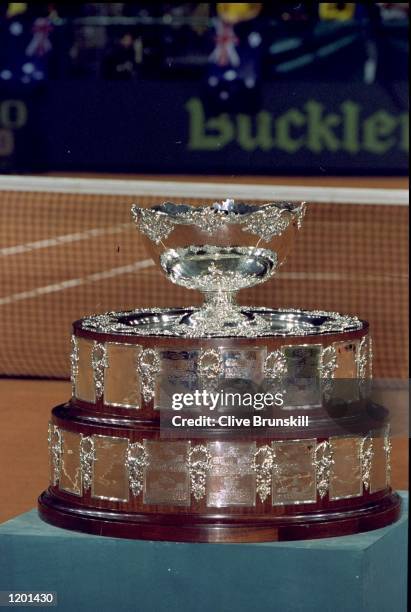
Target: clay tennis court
[{"x": 64, "y": 255}]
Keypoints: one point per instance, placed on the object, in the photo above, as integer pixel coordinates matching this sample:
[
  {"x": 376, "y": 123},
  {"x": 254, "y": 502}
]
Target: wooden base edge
[{"x": 223, "y": 528}]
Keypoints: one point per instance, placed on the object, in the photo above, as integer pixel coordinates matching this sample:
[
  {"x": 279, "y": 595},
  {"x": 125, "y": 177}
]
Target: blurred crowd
[{"x": 221, "y": 42}]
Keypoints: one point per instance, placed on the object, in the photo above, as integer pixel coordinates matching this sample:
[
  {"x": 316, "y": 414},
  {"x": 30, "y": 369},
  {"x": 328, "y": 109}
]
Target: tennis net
[{"x": 68, "y": 248}]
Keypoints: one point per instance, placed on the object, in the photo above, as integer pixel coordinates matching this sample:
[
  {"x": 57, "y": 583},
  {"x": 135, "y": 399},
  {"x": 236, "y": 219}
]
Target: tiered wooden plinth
[{"x": 115, "y": 472}]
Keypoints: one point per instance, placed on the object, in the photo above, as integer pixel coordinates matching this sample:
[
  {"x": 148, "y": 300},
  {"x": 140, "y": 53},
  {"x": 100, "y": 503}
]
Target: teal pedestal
[{"x": 361, "y": 573}]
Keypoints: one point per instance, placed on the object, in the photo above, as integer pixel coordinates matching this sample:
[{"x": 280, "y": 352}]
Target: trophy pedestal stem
[
  {"x": 221, "y": 314},
  {"x": 219, "y": 310}
]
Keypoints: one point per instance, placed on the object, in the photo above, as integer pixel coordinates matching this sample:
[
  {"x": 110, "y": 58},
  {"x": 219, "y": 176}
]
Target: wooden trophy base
[{"x": 219, "y": 527}]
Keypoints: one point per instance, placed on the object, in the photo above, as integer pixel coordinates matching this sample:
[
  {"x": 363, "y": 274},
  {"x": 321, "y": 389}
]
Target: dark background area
[{"x": 273, "y": 88}]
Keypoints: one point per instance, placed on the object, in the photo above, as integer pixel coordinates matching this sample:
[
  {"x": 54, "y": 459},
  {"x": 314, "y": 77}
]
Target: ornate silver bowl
[{"x": 218, "y": 250}]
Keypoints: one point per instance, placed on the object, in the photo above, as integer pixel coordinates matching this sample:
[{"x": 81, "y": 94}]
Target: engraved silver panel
[
  {"x": 231, "y": 480},
  {"x": 167, "y": 478},
  {"x": 85, "y": 389},
  {"x": 346, "y": 354},
  {"x": 346, "y": 476},
  {"x": 294, "y": 475},
  {"x": 70, "y": 472},
  {"x": 247, "y": 364},
  {"x": 110, "y": 477},
  {"x": 121, "y": 378},
  {"x": 178, "y": 375},
  {"x": 303, "y": 375}
]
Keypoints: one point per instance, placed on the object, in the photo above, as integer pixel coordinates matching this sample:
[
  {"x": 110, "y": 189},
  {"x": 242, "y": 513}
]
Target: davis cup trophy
[{"x": 220, "y": 423}]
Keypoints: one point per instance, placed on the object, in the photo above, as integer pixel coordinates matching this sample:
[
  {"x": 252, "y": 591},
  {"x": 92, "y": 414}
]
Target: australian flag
[{"x": 233, "y": 80}]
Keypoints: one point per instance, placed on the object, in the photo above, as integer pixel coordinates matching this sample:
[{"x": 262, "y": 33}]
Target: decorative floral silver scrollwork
[
  {"x": 366, "y": 457},
  {"x": 387, "y": 449},
  {"x": 74, "y": 357},
  {"x": 136, "y": 462},
  {"x": 328, "y": 365},
  {"x": 55, "y": 449},
  {"x": 199, "y": 463},
  {"x": 114, "y": 322},
  {"x": 263, "y": 466},
  {"x": 148, "y": 366},
  {"x": 210, "y": 364},
  {"x": 264, "y": 221},
  {"x": 301, "y": 210},
  {"x": 87, "y": 457},
  {"x": 209, "y": 219},
  {"x": 99, "y": 363},
  {"x": 364, "y": 358},
  {"x": 323, "y": 461},
  {"x": 268, "y": 222},
  {"x": 151, "y": 223},
  {"x": 275, "y": 365}
]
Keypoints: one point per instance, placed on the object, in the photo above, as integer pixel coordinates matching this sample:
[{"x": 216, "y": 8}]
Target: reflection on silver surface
[
  {"x": 212, "y": 269},
  {"x": 231, "y": 480},
  {"x": 294, "y": 476},
  {"x": 172, "y": 322}
]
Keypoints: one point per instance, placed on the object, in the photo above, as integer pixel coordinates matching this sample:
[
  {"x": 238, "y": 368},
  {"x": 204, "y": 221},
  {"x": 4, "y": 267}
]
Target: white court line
[
  {"x": 63, "y": 239},
  {"x": 176, "y": 189},
  {"x": 75, "y": 282},
  {"x": 147, "y": 263}
]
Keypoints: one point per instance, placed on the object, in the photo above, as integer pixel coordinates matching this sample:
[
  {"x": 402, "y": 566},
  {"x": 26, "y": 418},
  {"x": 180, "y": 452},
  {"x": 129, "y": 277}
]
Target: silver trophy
[{"x": 218, "y": 250}]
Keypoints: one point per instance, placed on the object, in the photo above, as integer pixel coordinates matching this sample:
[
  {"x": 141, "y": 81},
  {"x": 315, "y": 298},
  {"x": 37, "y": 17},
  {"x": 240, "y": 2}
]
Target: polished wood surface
[{"x": 220, "y": 527}]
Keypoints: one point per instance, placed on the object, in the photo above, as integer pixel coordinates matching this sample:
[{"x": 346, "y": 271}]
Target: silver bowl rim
[{"x": 227, "y": 210}]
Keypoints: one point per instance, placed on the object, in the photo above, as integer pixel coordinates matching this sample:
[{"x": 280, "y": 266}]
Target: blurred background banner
[{"x": 308, "y": 88}]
